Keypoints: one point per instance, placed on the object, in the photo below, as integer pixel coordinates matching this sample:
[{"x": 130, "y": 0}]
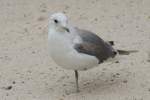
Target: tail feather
[
  {"x": 125, "y": 52},
  {"x": 122, "y": 52}
]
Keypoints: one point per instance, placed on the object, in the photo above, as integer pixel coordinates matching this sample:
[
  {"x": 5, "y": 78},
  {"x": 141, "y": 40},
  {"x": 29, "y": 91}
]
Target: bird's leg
[{"x": 76, "y": 76}]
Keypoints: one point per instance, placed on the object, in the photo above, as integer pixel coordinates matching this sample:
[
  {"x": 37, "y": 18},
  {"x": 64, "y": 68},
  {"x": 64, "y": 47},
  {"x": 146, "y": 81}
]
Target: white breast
[{"x": 63, "y": 53}]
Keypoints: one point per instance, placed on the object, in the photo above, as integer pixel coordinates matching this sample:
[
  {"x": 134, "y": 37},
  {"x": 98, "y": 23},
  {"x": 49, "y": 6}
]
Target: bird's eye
[{"x": 56, "y": 21}]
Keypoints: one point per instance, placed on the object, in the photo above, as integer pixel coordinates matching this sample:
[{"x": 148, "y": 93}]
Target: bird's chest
[{"x": 59, "y": 45}]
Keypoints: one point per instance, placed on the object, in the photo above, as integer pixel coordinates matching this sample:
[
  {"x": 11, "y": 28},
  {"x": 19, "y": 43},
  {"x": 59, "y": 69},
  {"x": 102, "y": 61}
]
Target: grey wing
[{"x": 94, "y": 45}]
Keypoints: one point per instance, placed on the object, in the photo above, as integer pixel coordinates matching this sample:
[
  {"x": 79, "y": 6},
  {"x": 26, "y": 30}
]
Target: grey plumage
[{"x": 94, "y": 45}]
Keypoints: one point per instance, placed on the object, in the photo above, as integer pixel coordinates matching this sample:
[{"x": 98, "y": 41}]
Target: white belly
[{"x": 63, "y": 53}]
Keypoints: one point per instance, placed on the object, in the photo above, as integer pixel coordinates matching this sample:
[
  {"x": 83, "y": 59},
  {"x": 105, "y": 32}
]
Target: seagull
[{"x": 77, "y": 49}]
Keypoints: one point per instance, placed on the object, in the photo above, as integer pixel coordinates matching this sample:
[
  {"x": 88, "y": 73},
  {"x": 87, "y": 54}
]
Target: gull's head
[{"x": 59, "y": 21}]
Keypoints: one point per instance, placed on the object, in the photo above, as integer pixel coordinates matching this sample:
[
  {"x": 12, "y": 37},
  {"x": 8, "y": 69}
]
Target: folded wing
[{"x": 94, "y": 46}]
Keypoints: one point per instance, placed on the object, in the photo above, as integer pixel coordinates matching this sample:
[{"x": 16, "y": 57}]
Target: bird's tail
[
  {"x": 126, "y": 52},
  {"x": 123, "y": 52}
]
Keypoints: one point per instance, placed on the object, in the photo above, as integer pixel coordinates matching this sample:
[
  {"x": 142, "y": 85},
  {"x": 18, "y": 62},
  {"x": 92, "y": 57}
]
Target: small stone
[
  {"x": 125, "y": 81},
  {"x": 121, "y": 25},
  {"x": 137, "y": 26},
  {"x": 67, "y": 93},
  {"x": 24, "y": 15},
  {"x": 117, "y": 17},
  {"x": 14, "y": 82},
  {"x": 95, "y": 19},
  {"x": 85, "y": 69},
  {"x": 66, "y": 7},
  {"x": 29, "y": 71},
  {"x": 39, "y": 28},
  {"x": 27, "y": 22},
  {"x": 43, "y": 10},
  {"x": 64, "y": 85},
  {"x": 25, "y": 29},
  {"x": 41, "y": 18},
  {"x": 114, "y": 76},
  {"x": 33, "y": 52},
  {"x": 64, "y": 12},
  {"x": 87, "y": 83},
  {"x": 117, "y": 74},
  {"x": 104, "y": 69},
  {"x": 7, "y": 94},
  {"x": 8, "y": 88},
  {"x": 117, "y": 62}
]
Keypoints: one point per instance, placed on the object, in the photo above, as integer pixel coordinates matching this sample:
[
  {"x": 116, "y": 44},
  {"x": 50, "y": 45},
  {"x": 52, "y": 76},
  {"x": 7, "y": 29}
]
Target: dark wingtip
[
  {"x": 115, "y": 52},
  {"x": 111, "y": 42}
]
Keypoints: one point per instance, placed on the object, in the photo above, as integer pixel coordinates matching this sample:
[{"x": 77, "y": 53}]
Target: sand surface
[{"x": 28, "y": 73}]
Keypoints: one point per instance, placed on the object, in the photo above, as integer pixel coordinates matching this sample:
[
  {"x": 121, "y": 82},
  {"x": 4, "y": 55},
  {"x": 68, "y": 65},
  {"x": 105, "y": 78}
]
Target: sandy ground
[{"x": 28, "y": 73}]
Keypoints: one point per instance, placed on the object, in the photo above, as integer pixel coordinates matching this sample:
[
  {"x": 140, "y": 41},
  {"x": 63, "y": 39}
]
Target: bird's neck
[
  {"x": 52, "y": 27},
  {"x": 56, "y": 29}
]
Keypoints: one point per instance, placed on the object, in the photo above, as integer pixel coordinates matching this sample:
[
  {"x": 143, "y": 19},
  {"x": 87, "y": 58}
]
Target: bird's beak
[
  {"x": 64, "y": 24},
  {"x": 67, "y": 29}
]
